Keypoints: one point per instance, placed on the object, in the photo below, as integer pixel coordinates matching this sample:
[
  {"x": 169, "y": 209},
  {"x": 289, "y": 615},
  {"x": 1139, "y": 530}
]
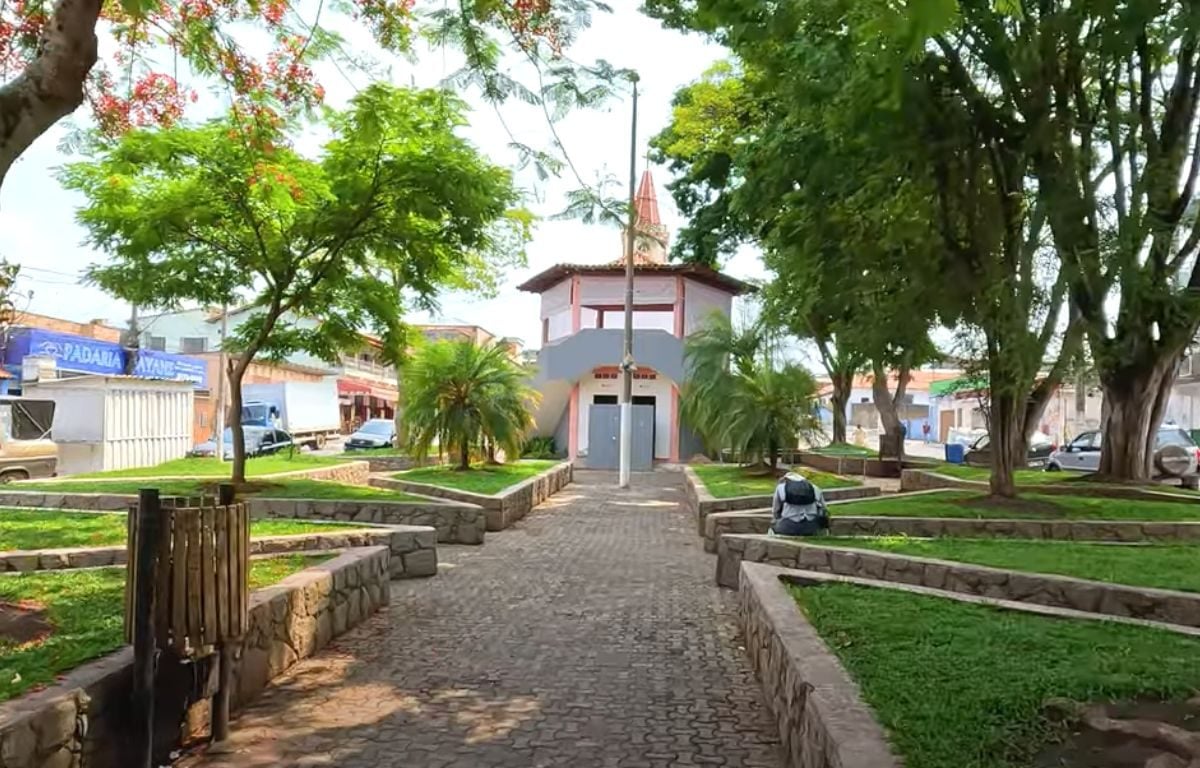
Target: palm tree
[
  {"x": 462, "y": 395},
  {"x": 739, "y": 396}
]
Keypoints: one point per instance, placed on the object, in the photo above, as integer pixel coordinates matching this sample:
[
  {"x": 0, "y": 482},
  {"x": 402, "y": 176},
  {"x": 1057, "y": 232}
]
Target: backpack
[{"x": 799, "y": 493}]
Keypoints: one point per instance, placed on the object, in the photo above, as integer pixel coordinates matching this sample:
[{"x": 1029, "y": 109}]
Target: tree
[
  {"x": 463, "y": 395},
  {"x": 739, "y": 396},
  {"x": 50, "y": 65},
  {"x": 206, "y": 214}
]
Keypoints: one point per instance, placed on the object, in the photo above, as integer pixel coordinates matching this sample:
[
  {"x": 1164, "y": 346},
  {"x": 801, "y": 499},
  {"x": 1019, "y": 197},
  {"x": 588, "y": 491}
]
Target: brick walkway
[{"x": 589, "y": 635}]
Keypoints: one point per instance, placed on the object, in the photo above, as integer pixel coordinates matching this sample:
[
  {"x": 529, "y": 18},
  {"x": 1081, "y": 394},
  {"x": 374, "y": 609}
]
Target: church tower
[{"x": 650, "y": 238}]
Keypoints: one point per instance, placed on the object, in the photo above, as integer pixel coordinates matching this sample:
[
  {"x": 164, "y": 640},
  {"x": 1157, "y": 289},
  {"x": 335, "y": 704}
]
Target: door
[
  {"x": 604, "y": 432},
  {"x": 1083, "y": 454},
  {"x": 653, "y": 403}
]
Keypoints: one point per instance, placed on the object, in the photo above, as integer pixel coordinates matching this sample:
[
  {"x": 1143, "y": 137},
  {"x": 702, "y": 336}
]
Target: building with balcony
[{"x": 582, "y": 314}]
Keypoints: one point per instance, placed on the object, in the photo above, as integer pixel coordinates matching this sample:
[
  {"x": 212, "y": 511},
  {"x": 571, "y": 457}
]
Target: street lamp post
[{"x": 627, "y": 365}]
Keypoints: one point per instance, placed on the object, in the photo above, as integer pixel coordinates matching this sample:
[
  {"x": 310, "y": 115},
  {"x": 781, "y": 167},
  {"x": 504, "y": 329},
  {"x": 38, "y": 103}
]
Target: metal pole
[
  {"x": 145, "y": 653},
  {"x": 221, "y": 702},
  {"x": 220, "y": 423},
  {"x": 626, "y": 460}
]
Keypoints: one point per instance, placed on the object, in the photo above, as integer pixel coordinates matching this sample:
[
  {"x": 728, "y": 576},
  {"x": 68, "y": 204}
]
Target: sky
[{"x": 38, "y": 230}]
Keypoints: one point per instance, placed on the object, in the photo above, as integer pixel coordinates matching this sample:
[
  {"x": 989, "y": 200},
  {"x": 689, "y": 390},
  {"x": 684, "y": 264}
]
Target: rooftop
[{"x": 548, "y": 278}]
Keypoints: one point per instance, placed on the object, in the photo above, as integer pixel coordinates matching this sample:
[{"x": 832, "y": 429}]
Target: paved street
[{"x": 589, "y": 635}]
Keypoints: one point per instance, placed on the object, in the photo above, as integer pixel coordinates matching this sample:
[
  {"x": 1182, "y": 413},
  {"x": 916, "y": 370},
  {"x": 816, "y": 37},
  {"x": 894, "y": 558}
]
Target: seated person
[{"x": 798, "y": 508}]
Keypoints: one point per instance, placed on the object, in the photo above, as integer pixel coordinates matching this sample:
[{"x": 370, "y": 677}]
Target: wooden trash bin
[
  {"x": 187, "y": 591},
  {"x": 201, "y": 575}
]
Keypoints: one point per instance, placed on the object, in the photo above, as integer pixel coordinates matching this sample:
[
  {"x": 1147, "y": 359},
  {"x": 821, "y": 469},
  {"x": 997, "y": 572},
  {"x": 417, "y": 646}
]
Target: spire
[{"x": 646, "y": 202}]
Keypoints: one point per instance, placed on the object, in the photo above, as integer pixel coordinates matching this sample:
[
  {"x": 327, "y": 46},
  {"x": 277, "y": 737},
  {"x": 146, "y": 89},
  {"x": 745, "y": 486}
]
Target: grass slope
[
  {"x": 201, "y": 467},
  {"x": 973, "y": 504},
  {"x": 1034, "y": 477},
  {"x": 85, "y": 609},
  {"x": 846, "y": 449},
  {"x": 962, "y": 686},
  {"x": 726, "y": 481},
  {"x": 269, "y": 489},
  {"x": 481, "y": 478},
  {"x": 40, "y": 529},
  {"x": 1164, "y": 566}
]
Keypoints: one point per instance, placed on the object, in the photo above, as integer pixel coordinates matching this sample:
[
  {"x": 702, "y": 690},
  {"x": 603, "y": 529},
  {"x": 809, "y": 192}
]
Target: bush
[{"x": 539, "y": 448}]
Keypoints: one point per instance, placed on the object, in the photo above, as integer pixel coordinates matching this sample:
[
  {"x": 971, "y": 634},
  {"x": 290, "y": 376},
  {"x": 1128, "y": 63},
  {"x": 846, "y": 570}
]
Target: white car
[{"x": 1174, "y": 453}]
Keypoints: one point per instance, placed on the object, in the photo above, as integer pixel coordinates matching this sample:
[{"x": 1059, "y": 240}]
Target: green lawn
[
  {"x": 39, "y": 529},
  {"x": 1030, "y": 477},
  {"x": 198, "y": 467},
  {"x": 85, "y": 608},
  {"x": 1023, "y": 476},
  {"x": 269, "y": 489},
  {"x": 1165, "y": 566},
  {"x": 846, "y": 449},
  {"x": 482, "y": 478},
  {"x": 725, "y": 481},
  {"x": 963, "y": 686},
  {"x": 1027, "y": 506}
]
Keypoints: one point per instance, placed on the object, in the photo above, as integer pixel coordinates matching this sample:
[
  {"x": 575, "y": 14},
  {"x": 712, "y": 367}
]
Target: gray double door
[{"x": 604, "y": 437}]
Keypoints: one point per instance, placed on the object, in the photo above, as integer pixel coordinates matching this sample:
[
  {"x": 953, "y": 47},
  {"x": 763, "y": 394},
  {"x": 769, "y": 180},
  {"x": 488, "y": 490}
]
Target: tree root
[{"x": 1182, "y": 744}]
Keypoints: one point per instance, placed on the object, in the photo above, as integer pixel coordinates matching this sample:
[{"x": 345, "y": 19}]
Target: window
[
  {"x": 193, "y": 345},
  {"x": 157, "y": 343},
  {"x": 604, "y": 399}
]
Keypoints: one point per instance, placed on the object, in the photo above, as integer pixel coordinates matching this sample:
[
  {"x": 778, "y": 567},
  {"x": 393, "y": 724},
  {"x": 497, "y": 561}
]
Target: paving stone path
[{"x": 589, "y": 635}]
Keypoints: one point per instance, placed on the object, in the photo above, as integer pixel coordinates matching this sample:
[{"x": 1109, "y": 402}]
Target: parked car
[
  {"x": 1175, "y": 453},
  {"x": 260, "y": 441},
  {"x": 376, "y": 433},
  {"x": 980, "y": 452}
]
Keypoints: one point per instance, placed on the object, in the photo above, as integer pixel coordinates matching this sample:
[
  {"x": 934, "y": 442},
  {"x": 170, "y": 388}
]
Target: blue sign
[{"x": 84, "y": 355}]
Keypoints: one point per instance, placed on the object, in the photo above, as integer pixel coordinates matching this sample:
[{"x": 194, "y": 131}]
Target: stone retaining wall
[
  {"x": 850, "y": 466},
  {"x": 391, "y": 463},
  {"x": 413, "y": 550},
  {"x": 351, "y": 472},
  {"x": 1059, "y": 591},
  {"x": 822, "y": 720},
  {"x": 702, "y": 503},
  {"x": 81, "y": 720},
  {"x": 502, "y": 509},
  {"x": 924, "y": 480},
  {"x": 456, "y": 523},
  {"x": 722, "y": 523}
]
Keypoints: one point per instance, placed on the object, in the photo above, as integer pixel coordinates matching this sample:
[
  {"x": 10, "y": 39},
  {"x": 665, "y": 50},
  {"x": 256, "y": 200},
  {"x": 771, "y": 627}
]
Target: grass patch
[
  {"x": 210, "y": 467},
  {"x": 1022, "y": 476},
  {"x": 1163, "y": 566},
  {"x": 976, "y": 504},
  {"x": 269, "y": 489},
  {"x": 725, "y": 481},
  {"x": 363, "y": 453},
  {"x": 85, "y": 608},
  {"x": 1034, "y": 477},
  {"x": 963, "y": 686},
  {"x": 39, "y": 529},
  {"x": 481, "y": 478},
  {"x": 845, "y": 449}
]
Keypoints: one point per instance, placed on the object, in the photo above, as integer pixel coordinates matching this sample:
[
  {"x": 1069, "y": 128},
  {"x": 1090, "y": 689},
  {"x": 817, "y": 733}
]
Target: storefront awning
[{"x": 352, "y": 387}]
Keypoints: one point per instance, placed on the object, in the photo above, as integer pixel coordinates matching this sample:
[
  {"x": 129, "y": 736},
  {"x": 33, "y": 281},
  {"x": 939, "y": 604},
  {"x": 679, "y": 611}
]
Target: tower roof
[{"x": 646, "y": 202}]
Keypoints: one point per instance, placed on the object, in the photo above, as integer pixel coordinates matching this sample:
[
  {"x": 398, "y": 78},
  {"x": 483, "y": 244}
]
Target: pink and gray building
[{"x": 582, "y": 313}]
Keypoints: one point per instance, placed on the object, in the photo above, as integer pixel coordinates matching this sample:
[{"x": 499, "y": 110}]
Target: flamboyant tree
[
  {"x": 259, "y": 53},
  {"x": 201, "y": 214}
]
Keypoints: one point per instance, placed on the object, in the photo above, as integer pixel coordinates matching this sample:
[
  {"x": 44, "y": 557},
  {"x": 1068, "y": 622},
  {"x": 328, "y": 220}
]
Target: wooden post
[
  {"x": 143, "y": 572},
  {"x": 221, "y": 702}
]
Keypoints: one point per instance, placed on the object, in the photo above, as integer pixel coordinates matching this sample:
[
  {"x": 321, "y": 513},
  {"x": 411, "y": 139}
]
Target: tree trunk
[
  {"x": 401, "y": 436},
  {"x": 236, "y": 373},
  {"x": 1006, "y": 432},
  {"x": 51, "y": 86},
  {"x": 838, "y": 402},
  {"x": 892, "y": 444},
  {"x": 464, "y": 455},
  {"x": 1135, "y": 400}
]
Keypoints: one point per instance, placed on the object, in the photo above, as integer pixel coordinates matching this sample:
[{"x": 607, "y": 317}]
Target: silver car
[{"x": 1174, "y": 453}]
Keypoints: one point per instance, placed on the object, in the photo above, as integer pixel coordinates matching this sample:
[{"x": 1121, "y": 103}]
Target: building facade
[{"x": 582, "y": 314}]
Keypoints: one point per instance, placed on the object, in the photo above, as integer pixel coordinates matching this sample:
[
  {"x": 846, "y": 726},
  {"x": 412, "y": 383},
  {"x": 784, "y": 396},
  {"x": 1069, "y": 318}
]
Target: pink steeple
[{"x": 646, "y": 202}]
